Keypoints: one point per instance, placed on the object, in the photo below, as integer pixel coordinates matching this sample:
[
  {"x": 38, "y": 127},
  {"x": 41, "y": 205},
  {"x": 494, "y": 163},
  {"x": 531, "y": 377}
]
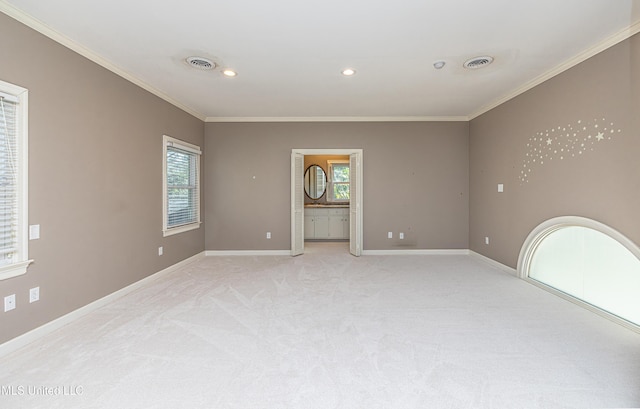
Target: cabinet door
[
  {"x": 336, "y": 226},
  {"x": 309, "y": 227},
  {"x": 345, "y": 225},
  {"x": 321, "y": 227}
]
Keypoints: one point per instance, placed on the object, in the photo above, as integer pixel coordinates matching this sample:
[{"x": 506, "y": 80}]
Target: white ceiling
[{"x": 289, "y": 53}]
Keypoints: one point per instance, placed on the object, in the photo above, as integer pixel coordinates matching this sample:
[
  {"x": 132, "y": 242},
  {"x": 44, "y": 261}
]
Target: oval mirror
[{"x": 315, "y": 182}]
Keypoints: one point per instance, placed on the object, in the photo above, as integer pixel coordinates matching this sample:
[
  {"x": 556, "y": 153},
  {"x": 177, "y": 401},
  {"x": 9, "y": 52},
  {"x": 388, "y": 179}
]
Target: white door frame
[{"x": 357, "y": 235}]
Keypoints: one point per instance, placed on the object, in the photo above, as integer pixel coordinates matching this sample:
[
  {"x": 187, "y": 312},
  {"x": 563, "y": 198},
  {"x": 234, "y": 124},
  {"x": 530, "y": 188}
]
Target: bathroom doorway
[{"x": 298, "y": 197}]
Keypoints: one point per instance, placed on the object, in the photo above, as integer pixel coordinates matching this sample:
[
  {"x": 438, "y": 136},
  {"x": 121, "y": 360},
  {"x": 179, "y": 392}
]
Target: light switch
[
  {"x": 34, "y": 294},
  {"x": 34, "y": 232},
  {"x": 500, "y": 188}
]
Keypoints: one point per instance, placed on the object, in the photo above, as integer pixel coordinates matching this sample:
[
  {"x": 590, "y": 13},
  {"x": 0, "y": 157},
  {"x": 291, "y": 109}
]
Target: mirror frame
[{"x": 307, "y": 182}]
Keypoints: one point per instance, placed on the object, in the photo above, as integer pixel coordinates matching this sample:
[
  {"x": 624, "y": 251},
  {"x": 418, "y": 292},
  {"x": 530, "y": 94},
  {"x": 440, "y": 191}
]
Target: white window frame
[
  {"x": 542, "y": 231},
  {"x": 21, "y": 255},
  {"x": 331, "y": 182},
  {"x": 168, "y": 141}
]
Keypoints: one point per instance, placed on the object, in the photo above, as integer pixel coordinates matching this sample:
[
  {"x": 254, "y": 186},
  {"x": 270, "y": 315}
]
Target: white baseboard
[
  {"x": 209, "y": 253},
  {"x": 437, "y": 252},
  {"x": 39, "y": 332},
  {"x": 417, "y": 252},
  {"x": 494, "y": 263}
]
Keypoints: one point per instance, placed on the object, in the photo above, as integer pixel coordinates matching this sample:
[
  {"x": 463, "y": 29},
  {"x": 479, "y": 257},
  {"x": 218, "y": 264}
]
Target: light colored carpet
[{"x": 328, "y": 330}]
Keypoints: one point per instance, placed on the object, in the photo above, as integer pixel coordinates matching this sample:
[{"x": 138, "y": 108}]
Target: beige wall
[
  {"x": 415, "y": 181},
  {"x": 599, "y": 180},
  {"x": 95, "y": 179}
]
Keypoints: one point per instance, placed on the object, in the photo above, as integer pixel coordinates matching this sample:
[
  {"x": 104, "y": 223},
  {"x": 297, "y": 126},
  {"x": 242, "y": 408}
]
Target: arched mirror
[{"x": 315, "y": 182}]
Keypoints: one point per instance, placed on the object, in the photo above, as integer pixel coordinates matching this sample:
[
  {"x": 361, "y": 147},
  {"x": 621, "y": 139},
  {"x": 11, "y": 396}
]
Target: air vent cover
[
  {"x": 201, "y": 63},
  {"x": 478, "y": 62}
]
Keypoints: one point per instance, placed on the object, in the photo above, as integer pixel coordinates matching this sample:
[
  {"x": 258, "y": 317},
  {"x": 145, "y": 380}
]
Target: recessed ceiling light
[
  {"x": 229, "y": 73},
  {"x": 200, "y": 63},
  {"x": 438, "y": 65},
  {"x": 348, "y": 72},
  {"x": 478, "y": 62}
]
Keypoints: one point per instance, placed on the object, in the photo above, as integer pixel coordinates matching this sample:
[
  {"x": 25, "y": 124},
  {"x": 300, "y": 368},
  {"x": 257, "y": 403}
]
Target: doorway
[{"x": 297, "y": 197}]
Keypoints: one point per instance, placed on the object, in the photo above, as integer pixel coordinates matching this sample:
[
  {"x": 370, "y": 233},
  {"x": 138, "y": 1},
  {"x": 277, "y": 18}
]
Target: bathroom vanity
[
  {"x": 323, "y": 220},
  {"x": 326, "y": 222}
]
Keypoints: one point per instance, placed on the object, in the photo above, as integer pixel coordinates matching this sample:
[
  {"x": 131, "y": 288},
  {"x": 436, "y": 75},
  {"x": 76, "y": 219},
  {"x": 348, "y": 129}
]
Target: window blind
[
  {"x": 8, "y": 179},
  {"x": 183, "y": 199}
]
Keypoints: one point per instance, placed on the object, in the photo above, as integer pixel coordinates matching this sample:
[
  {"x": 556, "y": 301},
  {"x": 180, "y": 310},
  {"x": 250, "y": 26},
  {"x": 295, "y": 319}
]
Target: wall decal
[{"x": 565, "y": 142}]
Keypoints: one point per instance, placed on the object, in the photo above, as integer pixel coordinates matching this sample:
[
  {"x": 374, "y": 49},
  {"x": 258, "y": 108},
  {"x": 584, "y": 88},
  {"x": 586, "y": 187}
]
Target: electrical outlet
[
  {"x": 390, "y": 235},
  {"x": 268, "y": 234},
  {"x": 401, "y": 236},
  {"x": 486, "y": 240},
  {"x": 160, "y": 251},
  {"x": 34, "y": 294},
  {"x": 9, "y": 302}
]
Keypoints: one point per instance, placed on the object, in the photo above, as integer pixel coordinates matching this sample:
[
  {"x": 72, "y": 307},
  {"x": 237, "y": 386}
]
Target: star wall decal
[{"x": 564, "y": 142}]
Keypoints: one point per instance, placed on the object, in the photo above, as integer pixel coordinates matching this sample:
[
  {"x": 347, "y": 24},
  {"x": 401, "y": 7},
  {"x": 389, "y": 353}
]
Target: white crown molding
[
  {"x": 570, "y": 63},
  {"x": 47, "y": 31},
  {"x": 42, "y": 28},
  {"x": 338, "y": 119}
]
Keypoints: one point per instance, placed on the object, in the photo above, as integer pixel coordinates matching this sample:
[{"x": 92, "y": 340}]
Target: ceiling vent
[
  {"x": 478, "y": 62},
  {"x": 201, "y": 63}
]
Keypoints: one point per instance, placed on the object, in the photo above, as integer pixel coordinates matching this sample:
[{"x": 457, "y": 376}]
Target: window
[
  {"x": 13, "y": 181},
  {"x": 181, "y": 196},
  {"x": 587, "y": 261},
  {"x": 338, "y": 181}
]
